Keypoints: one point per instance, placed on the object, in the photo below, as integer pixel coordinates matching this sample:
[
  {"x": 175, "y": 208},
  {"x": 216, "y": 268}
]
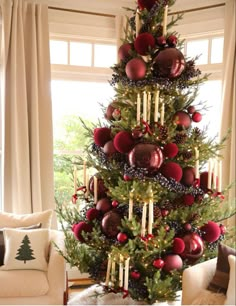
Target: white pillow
[
  {"x": 26, "y": 249},
  {"x": 230, "y": 294}
]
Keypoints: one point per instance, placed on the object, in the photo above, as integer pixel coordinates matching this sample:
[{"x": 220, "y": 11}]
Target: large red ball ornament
[
  {"x": 158, "y": 263},
  {"x": 172, "y": 170},
  {"x": 111, "y": 223},
  {"x": 123, "y": 142},
  {"x": 194, "y": 247},
  {"x": 148, "y": 4},
  {"x": 169, "y": 63},
  {"x": 109, "y": 148},
  {"x": 178, "y": 245},
  {"x": 101, "y": 187},
  {"x": 104, "y": 205},
  {"x": 135, "y": 274},
  {"x": 81, "y": 227},
  {"x": 188, "y": 177},
  {"x": 124, "y": 51},
  {"x": 170, "y": 150},
  {"x": 144, "y": 43},
  {"x": 92, "y": 214},
  {"x": 122, "y": 237},
  {"x": 101, "y": 136},
  {"x": 172, "y": 262},
  {"x": 135, "y": 69},
  {"x": 182, "y": 120},
  {"x": 196, "y": 117},
  {"x": 188, "y": 199},
  {"x": 211, "y": 231},
  {"x": 148, "y": 156}
]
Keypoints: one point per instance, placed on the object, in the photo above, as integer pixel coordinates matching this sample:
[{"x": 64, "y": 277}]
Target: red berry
[
  {"x": 135, "y": 274},
  {"x": 196, "y": 117},
  {"x": 122, "y": 237},
  {"x": 115, "y": 203},
  {"x": 158, "y": 263},
  {"x": 191, "y": 109},
  {"x": 127, "y": 178}
]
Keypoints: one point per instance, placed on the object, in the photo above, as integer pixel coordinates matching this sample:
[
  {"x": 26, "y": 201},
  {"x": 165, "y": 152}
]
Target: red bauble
[
  {"x": 191, "y": 109},
  {"x": 170, "y": 150},
  {"x": 161, "y": 41},
  {"x": 165, "y": 212},
  {"x": 188, "y": 177},
  {"x": 109, "y": 115},
  {"x": 127, "y": 178},
  {"x": 223, "y": 229},
  {"x": 123, "y": 142},
  {"x": 211, "y": 231},
  {"x": 172, "y": 170},
  {"x": 172, "y": 41},
  {"x": 158, "y": 263},
  {"x": 101, "y": 136},
  {"x": 148, "y": 4},
  {"x": 172, "y": 262},
  {"x": 101, "y": 187},
  {"x": 182, "y": 120},
  {"x": 178, "y": 245},
  {"x": 188, "y": 199},
  {"x": 104, "y": 205},
  {"x": 135, "y": 69},
  {"x": 122, "y": 237},
  {"x": 124, "y": 51},
  {"x": 92, "y": 214},
  {"x": 111, "y": 223},
  {"x": 147, "y": 156},
  {"x": 109, "y": 148},
  {"x": 135, "y": 274},
  {"x": 169, "y": 63},
  {"x": 187, "y": 226},
  {"x": 144, "y": 43},
  {"x": 194, "y": 247},
  {"x": 196, "y": 117},
  {"x": 114, "y": 203},
  {"x": 137, "y": 133},
  {"x": 81, "y": 227}
]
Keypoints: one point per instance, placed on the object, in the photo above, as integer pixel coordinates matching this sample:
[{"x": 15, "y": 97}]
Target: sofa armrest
[{"x": 196, "y": 278}]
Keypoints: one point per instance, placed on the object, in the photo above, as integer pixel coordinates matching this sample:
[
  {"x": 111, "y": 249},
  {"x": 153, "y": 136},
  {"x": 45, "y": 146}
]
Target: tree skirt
[{"x": 90, "y": 296}]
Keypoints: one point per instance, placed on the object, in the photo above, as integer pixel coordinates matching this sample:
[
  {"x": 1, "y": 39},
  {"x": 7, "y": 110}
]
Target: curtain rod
[{"x": 113, "y": 16}]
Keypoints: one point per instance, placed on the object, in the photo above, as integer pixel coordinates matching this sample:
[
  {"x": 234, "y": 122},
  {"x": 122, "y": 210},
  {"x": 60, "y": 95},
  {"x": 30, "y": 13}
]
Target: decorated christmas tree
[{"x": 155, "y": 204}]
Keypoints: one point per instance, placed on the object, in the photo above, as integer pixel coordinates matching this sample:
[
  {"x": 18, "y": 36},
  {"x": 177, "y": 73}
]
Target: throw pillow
[
  {"x": 26, "y": 249},
  {"x": 230, "y": 295},
  {"x": 14, "y": 220},
  {"x": 220, "y": 280},
  {"x": 2, "y": 245}
]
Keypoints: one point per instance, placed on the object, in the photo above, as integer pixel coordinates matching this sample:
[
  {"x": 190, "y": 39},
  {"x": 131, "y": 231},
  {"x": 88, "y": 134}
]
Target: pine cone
[
  {"x": 156, "y": 212},
  {"x": 187, "y": 155},
  {"x": 196, "y": 132},
  {"x": 180, "y": 138},
  {"x": 163, "y": 132},
  {"x": 167, "y": 205}
]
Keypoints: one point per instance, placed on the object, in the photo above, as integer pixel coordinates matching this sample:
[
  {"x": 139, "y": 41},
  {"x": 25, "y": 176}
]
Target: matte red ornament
[
  {"x": 158, "y": 263},
  {"x": 170, "y": 150},
  {"x": 104, "y": 205},
  {"x": 135, "y": 274},
  {"x": 223, "y": 229},
  {"x": 148, "y": 4},
  {"x": 81, "y": 227},
  {"x": 188, "y": 199},
  {"x": 124, "y": 51},
  {"x": 191, "y": 109},
  {"x": 123, "y": 142},
  {"x": 172, "y": 262},
  {"x": 172, "y": 41},
  {"x": 161, "y": 41},
  {"x": 114, "y": 203},
  {"x": 169, "y": 63},
  {"x": 144, "y": 43},
  {"x": 111, "y": 223},
  {"x": 211, "y": 231},
  {"x": 122, "y": 237},
  {"x": 196, "y": 117},
  {"x": 109, "y": 148},
  {"x": 172, "y": 170},
  {"x": 178, "y": 245},
  {"x": 101, "y": 187},
  {"x": 101, "y": 136},
  {"x": 136, "y": 69},
  {"x": 188, "y": 177},
  {"x": 182, "y": 120},
  {"x": 92, "y": 214},
  {"x": 194, "y": 247}
]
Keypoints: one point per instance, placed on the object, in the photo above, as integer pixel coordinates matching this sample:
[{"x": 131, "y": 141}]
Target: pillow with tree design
[{"x": 26, "y": 249}]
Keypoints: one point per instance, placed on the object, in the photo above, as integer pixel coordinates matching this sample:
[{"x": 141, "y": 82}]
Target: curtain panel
[{"x": 27, "y": 111}]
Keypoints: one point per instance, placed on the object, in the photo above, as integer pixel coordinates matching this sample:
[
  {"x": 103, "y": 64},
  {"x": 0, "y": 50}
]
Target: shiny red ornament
[
  {"x": 101, "y": 136},
  {"x": 81, "y": 227},
  {"x": 148, "y": 156},
  {"x": 211, "y": 231},
  {"x": 127, "y": 178},
  {"x": 92, "y": 214},
  {"x": 172, "y": 262},
  {"x": 188, "y": 199},
  {"x": 114, "y": 203},
  {"x": 182, "y": 120},
  {"x": 111, "y": 223},
  {"x": 178, "y": 245},
  {"x": 196, "y": 117},
  {"x": 170, "y": 150},
  {"x": 144, "y": 43},
  {"x": 104, "y": 205},
  {"x": 122, "y": 237},
  {"x": 172, "y": 41},
  {"x": 124, "y": 51},
  {"x": 194, "y": 247},
  {"x": 148, "y": 4},
  {"x": 172, "y": 170},
  {"x": 135, "y": 274},
  {"x": 136, "y": 69},
  {"x": 109, "y": 114},
  {"x": 188, "y": 177},
  {"x": 101, "y": 187},
  {"x": 187, "y": 226},
  {"x": 169, "y": 63},
  {"x": 123, "y": 142},
  {"x": 161, "y": 41},
  {"x": 191, "y": 109},
  {"x": 109, "y": 148},
  {"x": 158, "y": 263}
]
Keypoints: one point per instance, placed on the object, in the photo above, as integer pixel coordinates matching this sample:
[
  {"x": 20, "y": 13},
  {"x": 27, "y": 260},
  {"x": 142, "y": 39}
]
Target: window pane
[
  {"x": 198, "y": 48},
  {"x": 59, "y": 52},
  {"x": 105, "y": 55},
  {"x": 217, "y": 50},
  {"x": 80, "y": 54}
]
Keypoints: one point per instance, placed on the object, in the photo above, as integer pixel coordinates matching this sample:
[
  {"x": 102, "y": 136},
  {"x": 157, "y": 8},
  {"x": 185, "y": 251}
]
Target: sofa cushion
[
  {"x": 231, "y": 295},
  {"x": 19, "y": 283}
]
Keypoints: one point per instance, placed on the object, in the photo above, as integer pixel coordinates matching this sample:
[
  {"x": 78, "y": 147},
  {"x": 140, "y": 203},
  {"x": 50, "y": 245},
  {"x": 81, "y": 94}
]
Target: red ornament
[
  {"x": 114, "y": 203},
  {"x": 191, "y": 109},
  {"x": 111, "y": 223},
  {"x": 136, "y": 69},
  {"x": 170, "y": 150},
  {"x": 172, "y": 41},
  {"x": 182, "y": 120},
  {"x": 81, "y": 227},
  {"x": 122, "y": 237},
  {"x": 137, "y": 133},
  {"x": 123, "y": 142},
  {"x": 169, "y": 63},
  {"x": 109, "y": 115},
  {"x": 144, "y": 43},
  {"x": 196, "y": 117},
  {"x": 172, "y": 262},
  {"x": 135, "y": 274},
  {"x": 223, "y": 229},
  {"x": 164, "y": 212},
  {"x": 158, "y": 263},
  {"x": 188, "y": 199},
  {"x": 211, "y": 231},
  {"x": 187, "y": 226},
  {"x": 101, "y": 187},
  {"x": 147, "y": 156},
  {"x": 188, "y": 177},
  {"x": 172, "y": 170},
  {"x": 104, "y": 205},
  {"x": 101, "y": 136},
  {"x": 109, "y": 148},
  {"x": 92, "y": 214},
  {"x": 124, "y": 51},
  {"x": 178, "y": 246},
  {"x": 194, "y": 247},
  {"x": 127, "y": 178},
  {"x": 161, "y": 41},
  {"x": 148, "y": 4}
]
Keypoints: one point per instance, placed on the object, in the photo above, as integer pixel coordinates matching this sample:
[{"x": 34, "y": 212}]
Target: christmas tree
[{"x": 156, "y": 203}]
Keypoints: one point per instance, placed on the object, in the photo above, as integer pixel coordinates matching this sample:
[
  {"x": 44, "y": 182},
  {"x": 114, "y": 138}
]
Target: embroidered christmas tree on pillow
[{"x": 25, "y": 252}]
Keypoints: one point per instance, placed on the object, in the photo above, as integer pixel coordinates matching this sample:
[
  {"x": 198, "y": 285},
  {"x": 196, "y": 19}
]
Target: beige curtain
[
  {"x": 28, "y": 149},
  {"x": 228, "y": 111}
]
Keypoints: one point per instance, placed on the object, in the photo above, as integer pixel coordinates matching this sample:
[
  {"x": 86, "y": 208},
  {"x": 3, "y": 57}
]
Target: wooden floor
[{"x": 75, "y": 286}]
